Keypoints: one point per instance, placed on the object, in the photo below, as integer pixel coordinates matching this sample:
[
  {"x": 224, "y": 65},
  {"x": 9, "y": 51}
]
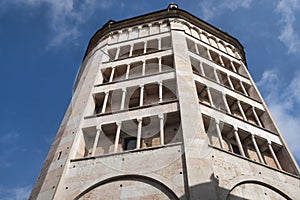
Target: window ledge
[
  {"x": 133, "y": 108},
  {"x": 127, "y": 152},
  {"x": 139, "y": 77},
  {"x": 252, "y": 161}
]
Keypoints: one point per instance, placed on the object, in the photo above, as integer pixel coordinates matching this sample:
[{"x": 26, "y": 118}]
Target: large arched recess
[
  {"x": 260, "y": 184},
  {"x": 136, "y": 178}
]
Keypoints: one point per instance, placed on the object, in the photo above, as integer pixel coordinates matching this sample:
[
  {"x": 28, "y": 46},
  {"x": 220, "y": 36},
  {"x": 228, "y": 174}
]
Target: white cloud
[
  {"x": 18, "y": 193},
  {"x": 283, "y": 100},
  {"x": 65, "y": 16},
  {"x": 211, "y": 8},
  {"x": 9, "y": 136},
  {"x": 288, "y": 34}
]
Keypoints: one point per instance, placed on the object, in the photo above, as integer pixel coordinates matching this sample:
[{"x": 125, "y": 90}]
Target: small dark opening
[
  {"x": 59, "y": 155},
  {"x": 129, "y": 143},
  {"x": 235, "y": 149},
  {"x": 97, "y": 108}
]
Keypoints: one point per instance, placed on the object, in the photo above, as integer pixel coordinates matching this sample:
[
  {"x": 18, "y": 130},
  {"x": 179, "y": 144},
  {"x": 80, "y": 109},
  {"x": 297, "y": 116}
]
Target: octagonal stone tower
[{"x": 164, "y": 108}]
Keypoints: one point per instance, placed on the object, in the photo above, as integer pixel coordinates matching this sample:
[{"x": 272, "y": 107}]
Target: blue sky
[{"x": 42, "y": 43}]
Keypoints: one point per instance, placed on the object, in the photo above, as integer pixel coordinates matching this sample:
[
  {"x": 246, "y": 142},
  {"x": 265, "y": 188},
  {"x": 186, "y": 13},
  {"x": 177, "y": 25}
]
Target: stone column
[
  {"x": 145, "y": 47},
  {"x": 219, "y": 133},
  {"x": 208, "y": 53},
  {"x": 257, "y": 149},
  {"x": 226, "y": 103},
  {"x": 117, "y": 53},
  {"x": 159, "y": 43},
  {"x": 149, "y": 26},
  {"x": 233, "y": 67},
  {"x": 196, "y": 48},
  {"x": 105, "y": 102},
  {"x": 123, "y": 99},
  {"x": 127, "y": 71},
  {"x": 256, "y": 117},
  {"x": 237, "y": 137},
  {"x": 216, "y": 75},
  {"x": 144, "y": 68},
  {"x": 274, "y": 155},
  {"x": 160, "y": 24},
  {"x": 241, "y": 110},
  {"x": 117, "y": 136},
  {"x": 139, "y": 133},
  {"x": 201, "y": 69},
  {"x": 131, "y": 50},
  {"x": 243, "y": 88},
  {"x": 221, "y": 61},
  {"x": 141, "y": 95},
  {"x": 159, "y": 65},
  {"x": 230, "y": 83},
  {"x": 161, "y": 129},
  {"x": 139, "y": 31},
  {"x": 210, "y": 98},
  {"x": 112, "y": 74},
  {"x": 160, "y": 91},
  {"x": 99, "y": 129}
]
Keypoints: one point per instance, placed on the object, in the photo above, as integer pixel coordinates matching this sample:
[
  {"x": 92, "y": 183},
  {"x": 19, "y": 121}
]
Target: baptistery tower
[{"x": 164, "y": 108}]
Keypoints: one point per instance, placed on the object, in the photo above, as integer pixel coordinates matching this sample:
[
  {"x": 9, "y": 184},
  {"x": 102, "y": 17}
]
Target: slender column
[
  {"x": 159, "y": 65},
  {"x": 243, "y": 88},
  {"x": 112, "y": 74},
  {"x": 149, "y": 25},
  {"x": 208, "y": 53},
  {"x": 210, "y": 98},
  {"x": 160, "y": 91},
  {"x": 141, "y": 95},
  {"x": 201, "y": 69},
  {"x": 117, "y": 53},
  {"x": 229, "y": 146},
  {"x": 144, "y": 68},
  {"x": 274, "y": 155},
  {"x": 131, "y": 50},
  {"x": 129, "y": 33},
  {"x": 145, "y": 47},
  {"x": 226, "y": 103},
  {"x": 257, "y": 149},
  {"x": 160, "y": 24},
  {"x": 217, "y": 42},
  {"x": 221, "y": 60},
  {"x": 230, "y": 83},
  {"x": 139, "y": 133},
  {"x": 127, "y": 71},
  {"x": 256, "y": 117},
  {"x": 159, "y": 43},
  {"x": 139, "y": 29},
  {"x": 240, "y": 146},
  {"x": 99, "y": 129},
  {"x": 117, "y": 136},
  {"x": 123, "y": 99},
  {"x": 105, "y": 102},
  {"x": 161, "y": 129},
  {"x": 119, "y": 34},
  {"x": 219, "y": 133},
  {"x": 216, "y": 75},
  {"x": 196, "y": 48},
  {"x": 241, "y": 110},
  {"x": 232, "y": 66}
]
